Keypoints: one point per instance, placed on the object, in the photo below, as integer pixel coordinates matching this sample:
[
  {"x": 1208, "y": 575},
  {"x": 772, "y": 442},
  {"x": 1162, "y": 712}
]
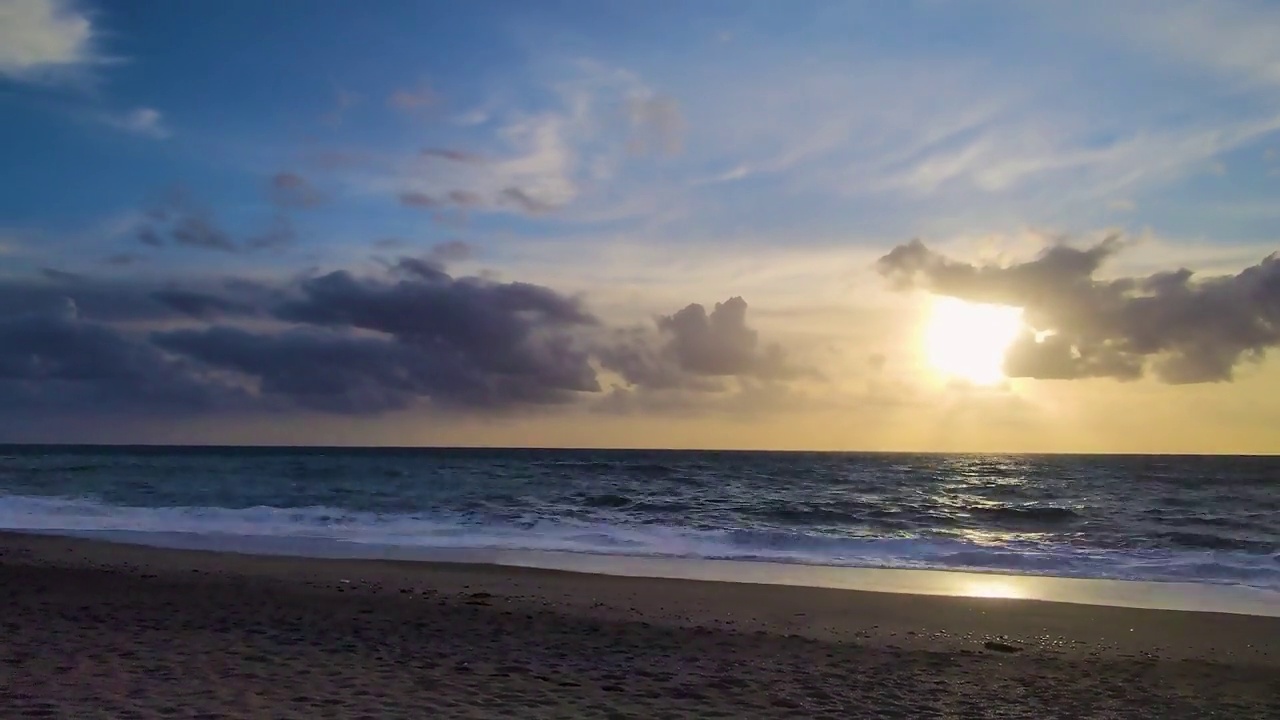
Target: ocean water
[{"x": 1163, "y": 518}]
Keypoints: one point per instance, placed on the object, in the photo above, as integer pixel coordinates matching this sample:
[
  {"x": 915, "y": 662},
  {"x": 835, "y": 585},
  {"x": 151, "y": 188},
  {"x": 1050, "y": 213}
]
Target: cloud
[
  {"x": 1180, "y": 327},
  {"x": 419, "y": 200},
  {"x": 453, "y": 342},
  {"x": 124, "y": 300},
  {"x": 44, "y": 40},
  {"x": 291, "y": 190},
  {"x": 1232, "y": 38},
  {"x": 525, "y": 201},
  {"x": 201, "y": 305},
  {"x": 178, "y": 221},
  {"x": 452, "y": 155},
  {"x": 349, "y": 345},
  {"x": 544, "y": 158},
  {"x": 465, "y": 198},
  {"x": 199, "y": 230},
  {"x": 61, "y": 276},
  {"x": 146, "y": 122},
  {"x": 429, "y": 266},
  {"x": 121, "y": 259},
  {"x": 279, "y": 234},
  {"x": 719, "y": 343},
  {"x": 410, "y": 99},
  {"x": 657, "y": 125},
  {"x": 692, "y": 348},
  {"x": 411, "y": 335},
  {"x": 452, "y": 251},
  {"x": 56, "y": 361},
  {"x": 312, "y": 370}
]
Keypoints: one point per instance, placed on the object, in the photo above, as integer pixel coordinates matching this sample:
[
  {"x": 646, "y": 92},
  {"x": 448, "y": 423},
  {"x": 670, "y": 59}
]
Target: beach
[{"x": 98, "y": 630}]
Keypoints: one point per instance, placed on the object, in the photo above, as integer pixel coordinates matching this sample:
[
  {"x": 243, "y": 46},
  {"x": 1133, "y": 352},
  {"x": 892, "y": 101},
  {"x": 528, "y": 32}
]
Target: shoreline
[
  {"x": 97, "y": 629},
  {"x": 1103, "y": 592},
  {"x": 163, "y": 447}
]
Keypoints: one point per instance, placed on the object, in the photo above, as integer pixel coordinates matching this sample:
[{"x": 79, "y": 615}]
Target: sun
[{"x": 968, "y": 341}]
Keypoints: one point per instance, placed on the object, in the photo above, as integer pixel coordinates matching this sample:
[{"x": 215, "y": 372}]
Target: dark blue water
[{"x": 1199, "y": 519}]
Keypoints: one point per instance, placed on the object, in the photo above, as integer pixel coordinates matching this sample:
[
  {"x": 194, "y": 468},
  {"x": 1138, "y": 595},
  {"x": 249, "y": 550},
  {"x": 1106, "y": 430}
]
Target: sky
[{"x": 925, "y": 225}]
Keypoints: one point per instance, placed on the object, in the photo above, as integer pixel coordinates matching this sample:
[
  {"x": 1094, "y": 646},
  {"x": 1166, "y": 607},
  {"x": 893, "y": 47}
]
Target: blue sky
[{"x": 642, "y": 156}]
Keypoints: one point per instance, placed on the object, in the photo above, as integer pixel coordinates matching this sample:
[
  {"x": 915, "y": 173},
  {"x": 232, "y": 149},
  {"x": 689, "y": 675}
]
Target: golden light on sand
[
  {"x": 968, "y": 341},
  {"x": 993, "y": 588}
]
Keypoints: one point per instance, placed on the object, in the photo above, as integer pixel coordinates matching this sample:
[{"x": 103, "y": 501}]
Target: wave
[
  {"x": 1216, "y": 542},
  {"x": 1028, "y": 513},
  {"x": 606, "y": 500},
  {"x": 310, "y": 530},
  {"x": 620, "y": 467}
]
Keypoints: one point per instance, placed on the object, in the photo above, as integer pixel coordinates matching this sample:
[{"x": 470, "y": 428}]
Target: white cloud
[
  {"x": 1236, "y": 39},
  {"x": 144, "y": 121},
  {"x": 1040, "y": 149},
  {"x": 562, "y": 156},
  {"x": 475, "y": 116},
  {"x": 44, "y": 40}
]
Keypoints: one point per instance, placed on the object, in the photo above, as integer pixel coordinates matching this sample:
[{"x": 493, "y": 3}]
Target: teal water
[{"x": 1190, "y": 519}]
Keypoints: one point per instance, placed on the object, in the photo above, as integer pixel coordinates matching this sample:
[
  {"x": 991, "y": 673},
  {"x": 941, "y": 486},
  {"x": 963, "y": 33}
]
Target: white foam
[{"x": 325, "y": 531}]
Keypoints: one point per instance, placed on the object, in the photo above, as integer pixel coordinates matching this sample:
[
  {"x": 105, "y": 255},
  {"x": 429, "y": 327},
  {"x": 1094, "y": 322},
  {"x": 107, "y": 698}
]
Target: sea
[{"x": 1213, "y": 520}]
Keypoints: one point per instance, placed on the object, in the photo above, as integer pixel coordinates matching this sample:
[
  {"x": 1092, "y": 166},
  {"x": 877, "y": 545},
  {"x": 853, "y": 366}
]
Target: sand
[{"x": 96, "y": 630}]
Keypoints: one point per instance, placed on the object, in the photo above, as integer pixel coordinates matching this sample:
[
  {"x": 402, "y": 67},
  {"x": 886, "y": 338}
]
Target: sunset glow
[{"x": 968, "y": 341}]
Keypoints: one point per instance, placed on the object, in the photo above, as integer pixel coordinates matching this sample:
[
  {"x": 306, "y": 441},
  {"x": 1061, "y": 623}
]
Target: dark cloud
[
  {"x": 453, "y": 155},
  {"x": 337, "y": 372},
  {"x": 459, "y": 342},
  {"x": 321, "y": 371},
  {"x": 466, "y": 198},
  {"x": 149, "y": 235},
  {"x": 526, "y": 202},
  {"x": 121, "y": 259},
  {"x": 57, "y": 361},
  {"x": 97, "y": 300},
  {"x": 61, "y": 276},
  {"x": 291, "y": 190},
  {"x": 693, "y": 347},
  {"x": 1183, "y": 328},
  {"x": 174, "y": 219},
  {"x": 279, "y": 234},
  {"x": 346, "y": 343},
  {"x": 200, "y": 231},
  {"x": 452, "y": 251},
  {"x": 419, "y": 200},
  {"x": 200, "y": 305},
  {"x": 445, "y": 252},
  {"x": 462, "y": 199},
  {"x": 720, "y": 343},
  {"x": 512, "y": 329},
  {"x": 118, "y": 300},
  {"x": 427, "y": 268}
]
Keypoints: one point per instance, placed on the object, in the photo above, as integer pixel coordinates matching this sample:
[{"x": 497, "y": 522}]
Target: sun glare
[
  {"x": 993, "y": 588},
  {"x": 968, "y": 341}
]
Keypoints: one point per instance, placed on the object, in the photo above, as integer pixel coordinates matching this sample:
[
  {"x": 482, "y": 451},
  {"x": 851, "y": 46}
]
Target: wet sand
[{"x": 96, "y": 630}]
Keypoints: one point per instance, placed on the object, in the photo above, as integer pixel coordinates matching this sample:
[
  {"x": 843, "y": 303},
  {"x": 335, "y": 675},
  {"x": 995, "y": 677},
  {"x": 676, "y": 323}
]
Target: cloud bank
[
  {"x": 410, "y": 336},
  {"x": 1178, "y": 326},
  {"x": 44, "y": 40}
]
